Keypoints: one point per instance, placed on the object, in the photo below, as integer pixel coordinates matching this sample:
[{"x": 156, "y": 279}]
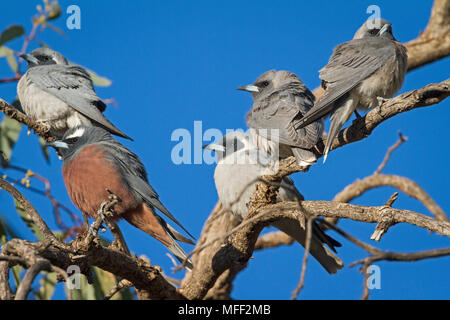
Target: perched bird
[
  {"x": 60, "y": 94},
  {"x": 240, "y": 164},
  {"x": 95, "y": 162},
  {"x": 280, "y": 102},
  {"x": 360, "y": 74}
]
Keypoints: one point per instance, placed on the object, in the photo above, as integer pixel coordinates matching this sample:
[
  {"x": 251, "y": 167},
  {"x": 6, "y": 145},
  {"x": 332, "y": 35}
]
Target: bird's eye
[
  {"x": 71, "y": 140},
  {"x": 374, "y": 31},
  {"x": 264, "y": 84}
]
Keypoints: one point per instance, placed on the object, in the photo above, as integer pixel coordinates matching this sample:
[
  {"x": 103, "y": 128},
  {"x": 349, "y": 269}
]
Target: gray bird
[
  {"x": 359, "y": 74},
  {"x": 60, "y": 94},
  {"x": 240, "y": 164},
  {"x": 280, "y": 102},
  {"x": 94, "y": 162}
]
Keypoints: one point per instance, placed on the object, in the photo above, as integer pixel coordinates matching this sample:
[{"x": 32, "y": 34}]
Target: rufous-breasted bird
[{"x": 96, "y": 164}]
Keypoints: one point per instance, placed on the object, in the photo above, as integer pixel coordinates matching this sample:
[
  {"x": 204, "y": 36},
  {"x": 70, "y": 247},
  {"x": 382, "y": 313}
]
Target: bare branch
[
  {"x": 28, "y": 207},
  {"x": 403, "y": 184},
  {"x": 25, "y": 285}
]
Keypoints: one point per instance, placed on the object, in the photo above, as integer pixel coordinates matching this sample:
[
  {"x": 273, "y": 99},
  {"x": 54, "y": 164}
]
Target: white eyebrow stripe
[{"x": 78, "y": 133}]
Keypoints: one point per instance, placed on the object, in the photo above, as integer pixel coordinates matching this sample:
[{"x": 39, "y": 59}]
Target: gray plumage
[
  {"x": 360, "y": 72},
  {"x": 280, "y": 101},
  {"x": 60, "y": 94},
  {"x": 240, "y": 164}
]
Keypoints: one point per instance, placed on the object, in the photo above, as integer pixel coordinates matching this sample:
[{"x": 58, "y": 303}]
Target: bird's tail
[
  {"x": 318, "y": 250},
  {"x": 338, "y": 118},
  {"x": 146, "y": 219}
]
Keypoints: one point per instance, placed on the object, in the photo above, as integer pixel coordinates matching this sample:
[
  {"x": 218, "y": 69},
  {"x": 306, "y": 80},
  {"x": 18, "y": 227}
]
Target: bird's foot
[{"x": 381, "y": 100}]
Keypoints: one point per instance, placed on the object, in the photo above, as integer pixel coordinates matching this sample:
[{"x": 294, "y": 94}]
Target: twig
[
  {"x": 305, "y": 258},
  {"x": 28, "y": 207},
  {"x": 389, "y": 152},
  {"x": 64, "y": 275},
  {"x": 387, "y": 220}
]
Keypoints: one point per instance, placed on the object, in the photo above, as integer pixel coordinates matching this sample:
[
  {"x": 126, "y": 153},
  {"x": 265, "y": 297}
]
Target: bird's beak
[
  {"x": 249, "y": 88},
  {"x": 58, "y": 144},
  {"x": 385, "y": 29},
  {"x": 214, "y": 147},
  {"x": 29, "y": 58}
]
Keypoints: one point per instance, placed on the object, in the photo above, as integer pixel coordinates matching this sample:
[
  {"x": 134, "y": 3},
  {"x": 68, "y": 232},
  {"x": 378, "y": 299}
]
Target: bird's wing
[
  {"x": 281, "y": 110},
  {"x": 350, "y": 63},
  {"x": 73, "y": 85},
  {"x": 134, "y": 174},
  {"x": 145, "y": 190}
]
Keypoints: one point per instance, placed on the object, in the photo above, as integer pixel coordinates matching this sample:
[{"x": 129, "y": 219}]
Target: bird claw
[
  {"x": 101, "y": 215},
  {"x": 92, "y": 230},
  {"x": 100, "y": 211},
  {"x": 381, "y": 100}
]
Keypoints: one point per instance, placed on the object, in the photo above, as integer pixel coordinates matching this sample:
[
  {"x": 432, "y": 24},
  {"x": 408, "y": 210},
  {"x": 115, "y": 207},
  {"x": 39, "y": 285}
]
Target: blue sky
[{"x": 176, "y": 62}]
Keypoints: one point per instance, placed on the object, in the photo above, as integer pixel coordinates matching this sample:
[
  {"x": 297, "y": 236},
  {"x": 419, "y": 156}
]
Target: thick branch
[
  {"x": 39, "y": 128},
  {"x": 361, "y": 128}
]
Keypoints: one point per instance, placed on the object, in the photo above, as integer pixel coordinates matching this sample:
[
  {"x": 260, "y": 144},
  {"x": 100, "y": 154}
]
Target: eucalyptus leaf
[
  {"x": 44, "y": 149},
  {"x": 6, "y": 231},
  {"x": 10, "y": 58},
  {"x": 87, "y": 291},
  {"x": 9, "y": 133},
  {"x": 11, "y": 33},
  {"x": 12, "y": 62}
]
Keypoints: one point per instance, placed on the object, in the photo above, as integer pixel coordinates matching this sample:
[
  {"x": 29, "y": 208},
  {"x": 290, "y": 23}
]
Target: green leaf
[
  {"x": 11, "y": 33},
  {"x": 6, "y": 232},
  {"x": 47, "y": 286},
  {"x": 44, "y": 149},
  {"x": 56, "y": 29},
  {"x": 16, "y": 270},
  {"x": 10, "y": 58},
  {"x": 9, "y": 133},
  {"x": 99, "y": 80},
  {"x": 28, "y": 221}
]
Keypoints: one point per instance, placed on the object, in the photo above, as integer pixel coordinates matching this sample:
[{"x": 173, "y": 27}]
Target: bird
[
  {"x": 280, "y": 100},
  {"x": 240, "y": 164},
  {"x": 60, "y": 94},
  {"x": 360, "y": 74},
  {"x": 96, "y": 164}
]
